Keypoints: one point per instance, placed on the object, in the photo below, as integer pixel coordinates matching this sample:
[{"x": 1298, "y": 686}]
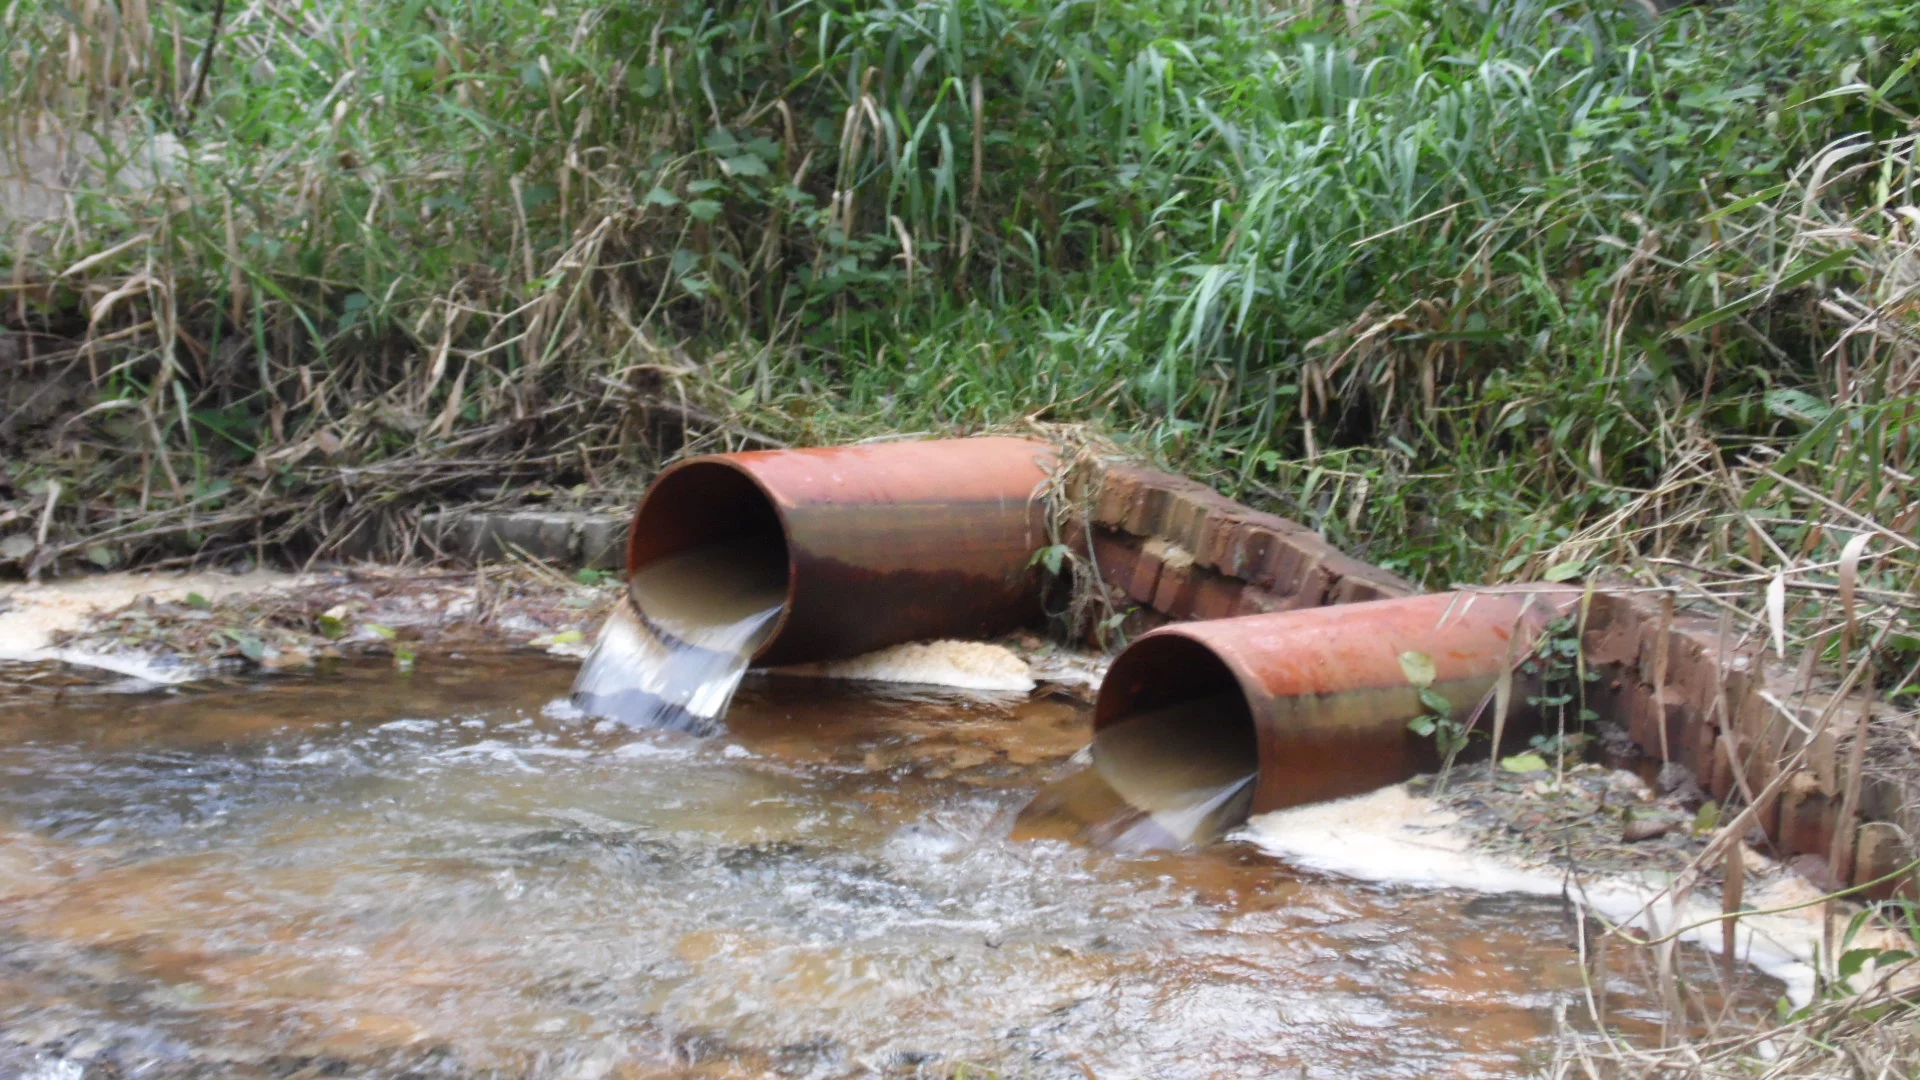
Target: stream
[{"x": 451, "y": 872}]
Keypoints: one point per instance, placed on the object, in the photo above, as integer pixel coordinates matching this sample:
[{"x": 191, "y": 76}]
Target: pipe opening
[
  {"x": 707, "y": 505},
  {"x": 707, "y": 588},
  {"x": 708, "y": 548},
  {"x": 1175, "y": 755}
]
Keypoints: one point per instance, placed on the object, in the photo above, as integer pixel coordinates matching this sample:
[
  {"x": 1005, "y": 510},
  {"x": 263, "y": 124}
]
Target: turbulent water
[
  {"x": 368, "y": 874},
  {"x": 675, "y": 648},
  {"x": 1167, "y": 778}
]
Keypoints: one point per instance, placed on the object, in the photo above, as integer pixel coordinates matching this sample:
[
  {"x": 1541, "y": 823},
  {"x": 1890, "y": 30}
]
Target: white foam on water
[
  {"x": 1390, "y": 836},
  {"x": 643, "y": 748},
  {"x": 1394, "y": 837},
  {"x": 1070, "y": 668},
  {"x": 147, "y": 669},
  {"x": 562, "y": 709},
  {"x": 503, "y": 751},
  {"x": 959, "y": 665},
  {"x": 54, "y": 1068}
]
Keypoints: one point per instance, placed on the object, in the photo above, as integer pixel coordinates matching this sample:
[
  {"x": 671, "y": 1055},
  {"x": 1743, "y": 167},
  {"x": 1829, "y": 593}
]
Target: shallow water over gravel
[{"x": 369, "y": 873}]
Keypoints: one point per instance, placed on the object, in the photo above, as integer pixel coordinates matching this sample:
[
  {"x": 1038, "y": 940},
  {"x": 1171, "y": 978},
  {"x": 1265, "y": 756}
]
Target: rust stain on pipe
[
  {"x": 1327, "y": 701},
  {"x": 886, "y": 543}
]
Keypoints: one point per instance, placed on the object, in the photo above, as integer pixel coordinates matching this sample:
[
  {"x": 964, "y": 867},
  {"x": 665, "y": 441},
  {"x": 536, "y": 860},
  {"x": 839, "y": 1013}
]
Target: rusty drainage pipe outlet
[
  {"x": 1316, "y": 702},
  {"x": 885, "y": 543}
]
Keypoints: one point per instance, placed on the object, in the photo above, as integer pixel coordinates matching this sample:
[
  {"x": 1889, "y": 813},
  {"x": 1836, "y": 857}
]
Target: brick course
[{"x": 1179, "y": 550}]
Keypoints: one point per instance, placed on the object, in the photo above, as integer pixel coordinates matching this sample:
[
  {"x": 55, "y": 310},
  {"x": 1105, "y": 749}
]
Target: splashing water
[
  {"x": 1164, "y": 779},
  {"x": 675, "y": 648}
]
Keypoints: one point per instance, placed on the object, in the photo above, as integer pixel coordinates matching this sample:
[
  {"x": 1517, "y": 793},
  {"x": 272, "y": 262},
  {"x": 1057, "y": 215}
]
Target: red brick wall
[
  {"x": 1172, "y": 548},
  {"x": 1176, "y": 549}
]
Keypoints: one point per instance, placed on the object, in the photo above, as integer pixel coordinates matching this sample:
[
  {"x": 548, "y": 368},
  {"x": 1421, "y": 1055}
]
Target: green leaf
[
  {"x": 197, "y": 602},
  {"x": 1422, "y": 726},
  {"x": 1565, "y": 570},
  {"x": 536, "y": 196},
  {"x": 386, "y": 632},
  {"x": 1053, "y": 557},
  {"x": 1796, "y": 405},
  {"x": 1808, "y": 443},
  {"x": 744, "y": 165},
  {"x": 1815, "y": 269},
  {"x": 1418, "y": 667},
  {"x": 662, "y": 197},
  {"x": 1853, "y": 961},
  {"x": 567, "y": 637},
  {"x": 1720, "y": 314},
  {"x": 704, "y": 209},
  {"x": 1434, "y": 702},
  {"x": 1708, "y": 819},
  {"x": 586, "y": 575},
  {"x": 1729, "y": 310},
  {"x": 250, "y": 647},
  {"x": 1752, "y": 200},
  {"x": 332, "y": 628},
  {"x": 1524, "y": 763},
  {"x": 102, "y": 556}
]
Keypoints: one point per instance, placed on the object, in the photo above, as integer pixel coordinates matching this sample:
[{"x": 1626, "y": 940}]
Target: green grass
[{"x": 1450, "y": 283}]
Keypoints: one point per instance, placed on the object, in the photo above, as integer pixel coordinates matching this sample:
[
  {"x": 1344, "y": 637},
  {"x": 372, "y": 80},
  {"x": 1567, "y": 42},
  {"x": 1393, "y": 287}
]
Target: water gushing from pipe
[
  {"x": 676, "y": 646},
  {"x": 1173, "y": 777}
]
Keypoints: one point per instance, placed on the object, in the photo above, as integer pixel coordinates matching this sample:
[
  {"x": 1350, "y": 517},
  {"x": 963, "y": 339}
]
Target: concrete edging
[{"x": 570, "y": 539}]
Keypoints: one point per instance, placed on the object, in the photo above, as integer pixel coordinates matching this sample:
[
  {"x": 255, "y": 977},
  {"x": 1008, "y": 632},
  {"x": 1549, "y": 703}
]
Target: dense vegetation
[{"x": 1455, "y": 281}]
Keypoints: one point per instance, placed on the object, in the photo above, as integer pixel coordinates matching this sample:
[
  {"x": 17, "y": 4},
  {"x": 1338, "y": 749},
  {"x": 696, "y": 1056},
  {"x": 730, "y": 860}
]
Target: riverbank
[{"x": 169, "y": 629}]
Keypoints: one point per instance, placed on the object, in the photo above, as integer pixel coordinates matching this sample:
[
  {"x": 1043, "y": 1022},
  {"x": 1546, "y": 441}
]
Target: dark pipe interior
[
  {"x": 1166, "y": 671},
  {"x": 697, "y": 505},
  {"x": 1176, "y": 700}
]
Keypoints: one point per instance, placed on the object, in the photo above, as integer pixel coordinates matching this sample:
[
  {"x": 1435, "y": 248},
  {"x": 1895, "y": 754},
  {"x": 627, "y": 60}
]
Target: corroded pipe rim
[
  {"x": 676, "y": 474},
  {"x": 1175, "y": 638}
]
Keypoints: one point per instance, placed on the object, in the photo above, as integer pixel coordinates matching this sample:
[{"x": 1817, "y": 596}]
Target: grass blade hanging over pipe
[{"x": 1503, "y": 693}]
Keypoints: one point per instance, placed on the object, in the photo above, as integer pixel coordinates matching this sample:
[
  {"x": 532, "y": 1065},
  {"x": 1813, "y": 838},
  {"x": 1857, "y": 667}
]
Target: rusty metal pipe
[
  {"x": 886, "y": 543},
  {"x": 1318, "y": 700}
]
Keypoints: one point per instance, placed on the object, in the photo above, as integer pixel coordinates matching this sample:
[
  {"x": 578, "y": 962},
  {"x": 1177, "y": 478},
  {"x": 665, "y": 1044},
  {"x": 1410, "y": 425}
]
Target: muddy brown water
[{"x": 365, "y": 873}]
